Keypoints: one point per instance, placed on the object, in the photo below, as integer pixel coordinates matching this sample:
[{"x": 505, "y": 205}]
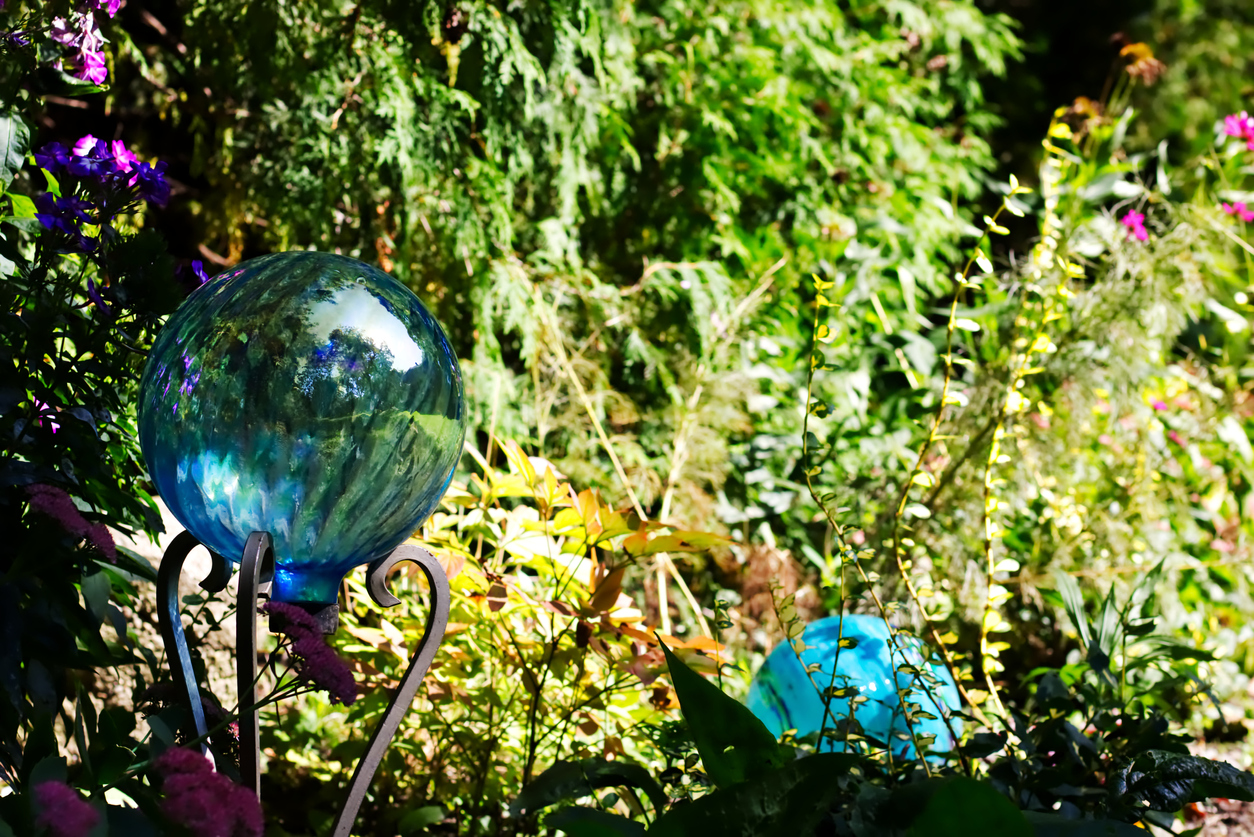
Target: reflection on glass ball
[
  {"x": 310, "y": 396},
  {"x": 783, "y": 696}
]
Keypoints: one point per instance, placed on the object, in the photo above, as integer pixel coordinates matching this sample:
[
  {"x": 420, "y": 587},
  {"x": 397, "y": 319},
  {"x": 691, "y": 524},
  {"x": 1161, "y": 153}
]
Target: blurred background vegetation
[{"x": 615, "y": 209}]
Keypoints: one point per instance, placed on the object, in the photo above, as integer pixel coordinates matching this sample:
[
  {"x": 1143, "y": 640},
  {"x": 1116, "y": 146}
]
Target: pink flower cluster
[
  {"x": 1240, "y": 125},
  {"x": 1135, "y": 222},
  {"x": 318, "y": 662},
  {"x": 80, "y": 33},
  {"x": 204, "y": 802},
  {"x": 57, "y": 504},
  {"x": 1239, "y": 209},
  {"x": 62, "y": 811}
]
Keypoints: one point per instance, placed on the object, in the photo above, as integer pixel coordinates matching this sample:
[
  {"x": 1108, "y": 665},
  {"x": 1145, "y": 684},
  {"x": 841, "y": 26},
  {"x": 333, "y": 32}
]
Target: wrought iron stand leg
[
  {"x": 169, "y": 617},
  {"x": 256, "y": 568},
  {"x": 437, "y": 621}
]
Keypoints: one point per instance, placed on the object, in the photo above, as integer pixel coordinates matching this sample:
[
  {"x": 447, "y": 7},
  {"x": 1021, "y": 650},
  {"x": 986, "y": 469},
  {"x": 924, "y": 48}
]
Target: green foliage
[
  {"x": 1099, "y": 763},
  {"x": 734, "y": 745},
  {"x": 600, "y": 180},
  {"x": 544, "y": 676}
]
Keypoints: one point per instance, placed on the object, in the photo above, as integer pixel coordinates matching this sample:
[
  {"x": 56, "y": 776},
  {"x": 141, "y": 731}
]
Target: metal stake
[{"x": 256, "y": 571}]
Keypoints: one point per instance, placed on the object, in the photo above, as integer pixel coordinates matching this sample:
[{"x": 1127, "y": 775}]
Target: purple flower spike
[
  {"x": 52, "y": 157},
  {"x": 150, "y": 182}
]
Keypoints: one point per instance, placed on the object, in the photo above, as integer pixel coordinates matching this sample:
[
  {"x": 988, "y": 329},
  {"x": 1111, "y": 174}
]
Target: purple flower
[
  {"x": 204, "y": 802},
  {"x": 90, "y": 66},
  {"x": 318, "y": 662},
  {"x": 150, "y": 182},
  {"x": 62, "y": 213},
  {"x": 62, "y": 811},
  {"x": 92, "y": 293},
  {"x": 88, "y": 145},
  {"x": 63, "y": 33},
  {"x": 109, "y": 6},
  {"x": 123, "y": 156},
  {"x": 1135, "y": 222},
  {"x": 17, "y": 38},
  {"x": 92, "y": 158},
  {"x": 52, "y": 157},
  {"x": 56, "y": 504}
]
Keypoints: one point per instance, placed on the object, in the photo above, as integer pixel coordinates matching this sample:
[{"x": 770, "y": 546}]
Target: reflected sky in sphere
[{"x": 310, "y": 396}]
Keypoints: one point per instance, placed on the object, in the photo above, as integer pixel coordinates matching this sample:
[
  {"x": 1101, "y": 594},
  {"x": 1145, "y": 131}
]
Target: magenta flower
[
  {"x": 1159, "y": 405},
  {"x": 62, "y": 811},
  {"x": 123, "y": 156},
  {"x": 318, "y": 664},
  {"x": 56, "y": 504},
  {"x": 1135, "y": 222},
  {"x": 79, "y": 32},
  {"x": 90, "y": 66},
  {"x": 204, "y": 802},
  {"x": 1238, "y": 208},
  {"x": 44, "y": 408},
  {"x": 1239, "y": 125}
]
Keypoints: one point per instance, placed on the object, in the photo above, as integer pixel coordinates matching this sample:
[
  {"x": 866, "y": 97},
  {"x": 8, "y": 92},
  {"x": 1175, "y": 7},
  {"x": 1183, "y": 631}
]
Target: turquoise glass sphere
[
  {"x": 783, "y": 697},
  {"x": 310, "y": 396}
]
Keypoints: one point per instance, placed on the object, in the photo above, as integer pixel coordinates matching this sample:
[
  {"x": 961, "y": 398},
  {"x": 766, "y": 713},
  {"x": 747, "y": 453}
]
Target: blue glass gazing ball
[
  {"x": 784, "y": 698},
  {"x": 310, "y": 396}
]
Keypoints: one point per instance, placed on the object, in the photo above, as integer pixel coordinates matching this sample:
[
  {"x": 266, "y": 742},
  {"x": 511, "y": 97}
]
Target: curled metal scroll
[
  {"x": 170, "y": 618},
  {"x": 255, "y": 573},
  {"x": 437, "y": 621}
]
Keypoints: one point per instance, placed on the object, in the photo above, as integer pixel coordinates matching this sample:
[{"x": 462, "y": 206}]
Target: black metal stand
[{"x": 256, "y": 573}]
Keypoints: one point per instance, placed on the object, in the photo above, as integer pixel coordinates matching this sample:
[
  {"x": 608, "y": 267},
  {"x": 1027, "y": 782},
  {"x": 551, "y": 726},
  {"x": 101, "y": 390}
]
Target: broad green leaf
[
  {"x": 420, "y": 818},
  {"x": 21, "y": 206},
  {"x": 961, "y": 804},
  {"x": 734, "y": 745},
  {"x": 1167, "y": 781},
  {"x": 589, "y": 822},
  {"x": 785, "y": 802},
  {"x": 571, "y": 780},
  {"x": 14, "y": 143}
]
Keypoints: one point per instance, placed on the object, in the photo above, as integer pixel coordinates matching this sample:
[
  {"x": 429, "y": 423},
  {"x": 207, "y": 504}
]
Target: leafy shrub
[{"x": 545, "y": 657}]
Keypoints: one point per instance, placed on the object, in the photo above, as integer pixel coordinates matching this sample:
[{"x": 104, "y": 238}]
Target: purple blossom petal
[
  {"x": 63, "y": 33},
  {"x": 95, "y": 297},
  {"x": 97, "y": 162},
  {"x": 90, "y": 66},
  {"x": 123, "y": 156},
  {"x": 150, "y": 182},
  {"x": 52, "y": 157}
]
